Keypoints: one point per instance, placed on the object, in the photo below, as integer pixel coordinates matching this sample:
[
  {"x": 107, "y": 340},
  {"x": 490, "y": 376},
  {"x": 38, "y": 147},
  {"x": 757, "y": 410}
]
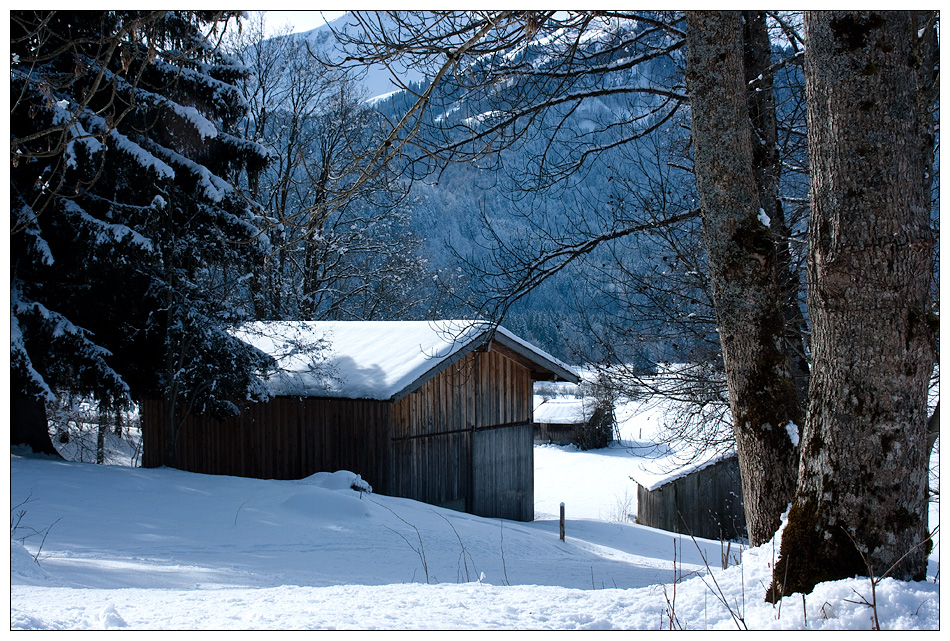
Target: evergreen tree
[{"x": 123, "y": 214}]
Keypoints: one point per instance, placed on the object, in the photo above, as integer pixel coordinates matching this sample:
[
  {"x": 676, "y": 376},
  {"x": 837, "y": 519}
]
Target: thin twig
[
  {"x": 464, "y": 551},
  {"x": 421, "y": 551},
  {"x": 875, "y": 580},
  {"x": 719, "y": 594},
  {"x": 239, "y": 511},
  {"x": 504, "y": 567}
]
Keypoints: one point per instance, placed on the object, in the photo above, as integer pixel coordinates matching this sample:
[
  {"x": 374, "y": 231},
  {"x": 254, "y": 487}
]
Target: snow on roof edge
[
  {"x": 553, "y": 364},
  {"x": 661, "y": 479},
  {"x": 565, "y": 411},
  {"x": 375, "y": 360}
]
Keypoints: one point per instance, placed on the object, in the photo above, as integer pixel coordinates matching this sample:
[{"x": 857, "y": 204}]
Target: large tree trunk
[
  {"x": 742, "y": 268},
  {"x": 861, "y": 501},
  {"x": 767, "y": 166},
  {"x": 28, "y": 422}
]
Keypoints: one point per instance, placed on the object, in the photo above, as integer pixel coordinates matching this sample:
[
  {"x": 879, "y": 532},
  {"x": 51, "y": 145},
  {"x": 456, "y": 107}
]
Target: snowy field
[{"x": 96, "y": 547}]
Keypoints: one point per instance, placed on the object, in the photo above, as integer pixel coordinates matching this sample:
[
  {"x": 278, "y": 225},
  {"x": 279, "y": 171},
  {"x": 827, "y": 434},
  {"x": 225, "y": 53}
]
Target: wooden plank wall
[
  {"x": 432, "y": 438},
  {"x": 557, "y": 433},
  {"x": 503, "y": 460},
  {"x": 440, "y": 454},
  {"x": 708, "y": 500},
  {"x": 503, "y": 445},
  {"x": 286, "y": 438}
]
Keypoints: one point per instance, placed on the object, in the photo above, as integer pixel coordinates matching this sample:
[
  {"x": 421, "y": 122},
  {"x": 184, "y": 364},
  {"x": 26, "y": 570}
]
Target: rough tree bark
[
  {"x": 742, "y": 268},
  {"x": 861, "y": 501},
  {"x": 767, "y": 166}
]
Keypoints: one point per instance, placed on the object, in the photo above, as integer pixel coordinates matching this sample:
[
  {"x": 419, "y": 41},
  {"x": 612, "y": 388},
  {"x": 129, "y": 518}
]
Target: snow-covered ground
[{"x": 96, "y": 547}]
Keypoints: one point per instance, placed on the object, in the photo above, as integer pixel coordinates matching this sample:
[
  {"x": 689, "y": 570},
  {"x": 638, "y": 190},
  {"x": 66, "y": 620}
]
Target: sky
[{"x": 302, "y": 20}]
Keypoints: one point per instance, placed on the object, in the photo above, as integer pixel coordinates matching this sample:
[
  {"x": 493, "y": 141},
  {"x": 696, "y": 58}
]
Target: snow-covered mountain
[{"x": 376, "y": 80}]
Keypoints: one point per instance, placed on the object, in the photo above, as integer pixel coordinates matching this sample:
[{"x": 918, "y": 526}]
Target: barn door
[
  {"x": 503, "y": 472},
  {"x": 433, "y": 468}
]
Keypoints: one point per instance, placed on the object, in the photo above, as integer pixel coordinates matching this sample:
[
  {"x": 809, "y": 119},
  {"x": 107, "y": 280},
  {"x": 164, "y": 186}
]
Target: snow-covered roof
[
  {"x": 655, "y": 473},
  {"x": 379, "y": 360},
  {"x": 564, "y": 411}
]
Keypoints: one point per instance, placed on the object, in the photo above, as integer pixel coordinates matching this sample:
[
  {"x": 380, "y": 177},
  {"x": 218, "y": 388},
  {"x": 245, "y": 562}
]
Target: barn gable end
[{"x": 459, "y": 440}]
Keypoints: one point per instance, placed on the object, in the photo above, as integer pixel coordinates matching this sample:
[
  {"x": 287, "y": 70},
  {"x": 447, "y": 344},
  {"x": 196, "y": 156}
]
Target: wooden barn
[
  {"x": 703, "y": 500},
  {"x": 581, "y": 421},
  {"x": 440, "y": 412},
  {"x": 559, "y": 420}
]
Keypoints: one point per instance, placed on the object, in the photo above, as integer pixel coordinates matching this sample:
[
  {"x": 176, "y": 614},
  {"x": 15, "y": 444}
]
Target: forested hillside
[{"x": 485, "y": 222}]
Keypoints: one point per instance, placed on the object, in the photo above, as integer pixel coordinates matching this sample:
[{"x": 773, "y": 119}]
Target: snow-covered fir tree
[{"x": 127, "y": 231}]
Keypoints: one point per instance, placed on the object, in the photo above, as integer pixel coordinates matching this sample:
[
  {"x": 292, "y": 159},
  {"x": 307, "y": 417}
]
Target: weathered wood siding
[
  {"x": 503, "y": 483},
  {"x": 557, "y": 433},
  {"x": 445, "y": 447},
  {"x": 706, "y": 503},
  {"x": 286, "y": 438}
]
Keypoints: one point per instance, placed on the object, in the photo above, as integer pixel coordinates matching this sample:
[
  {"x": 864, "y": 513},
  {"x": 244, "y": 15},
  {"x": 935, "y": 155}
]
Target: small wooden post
[{"x": 562, "y": 520}]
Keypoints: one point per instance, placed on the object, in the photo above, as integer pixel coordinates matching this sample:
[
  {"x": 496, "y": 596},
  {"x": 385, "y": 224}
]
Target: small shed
[
  {"x": 704, "y": 500},
  {"x": 557, "y": 421},
  {"x": 436, "y": 411},
  {"x": 581, "y": 421}
]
